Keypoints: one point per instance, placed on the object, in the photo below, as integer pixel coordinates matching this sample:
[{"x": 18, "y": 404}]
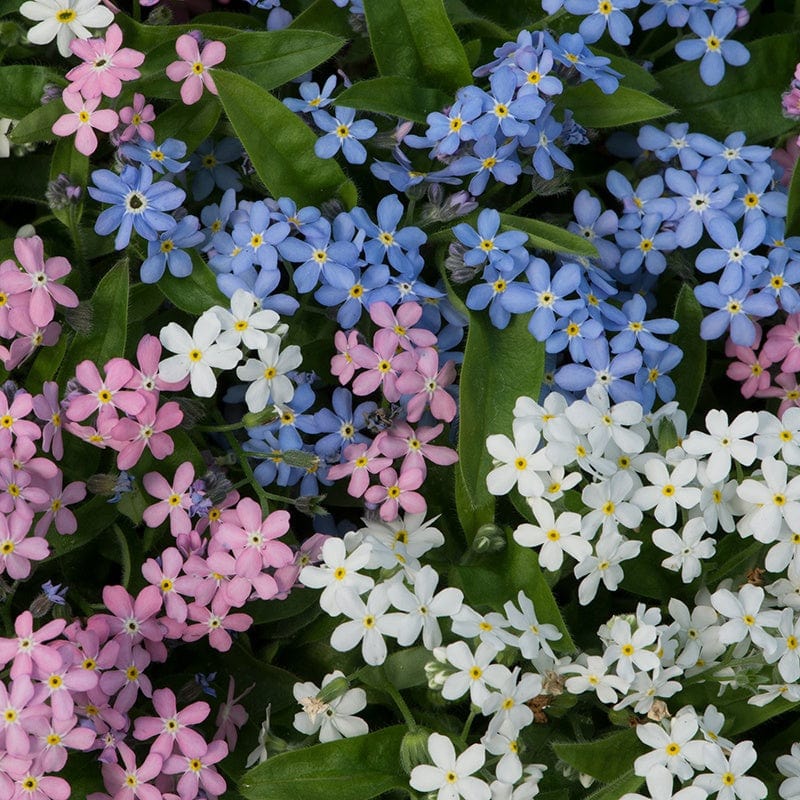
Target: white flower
[
  {"x": 268, "y": 383},
  {"x": 595, "y": 677},
  {"x": 64, "y": 20},
  {"x": 724, "y": 441},
  {"x": 529, "y": 788},
  {"x": 727, "y": 777},
  {"x": 647, "y": 687},
  {"x": 503, "y": 742},
  {"x": 516, "y": 462},
  {"x": 196, "y": 354},
  {"x": 451, "y": 777},
  {"x": 745, "y": 617},
  {"x": 718, "y": 502},
  {"x": 578, "y": 449},
  {"x": 785, "y": 551},
  {"x": 246, "y": 322},
  {"x": 337, "y": 573},
  {"x": 488, "y": 627},
  {"x": 368, "y": 624},
  {"x": 787, "y": 589},
  {"x": 259, "y": 755},
  {"x": 789, "y": 767},
  {"x": 508, "y": 703},
  {"x": 711, "y": 723},
  {"x": 685, "y": 550},
  {"x": 604, "y": 566},
  {"x": 422, "y": 608},
  {"x": 673, "y": 749},
  {"x": 333, "y": 719},
  {"x": 699, "y": 633},
  {"x": 5, "y": 142},
  {"x": 788, "y": 691},
  {"x": 474, "y": 672},
  {"x": 534, "y": 635},
  {"x": 627, "y": 648},
  {"x": 555, "y": 537},
  {"x": 779, "y": 435},
  {"x": 608, "y": 499},
  {"x": 411, "y": 531},
  {"x": 786, "y": 650},
  {"x": 548, "y": 418},
  {"x": 775, "y": 498},
  {"x": 668, "y": 491},
  {"x": 659, "y": 786},
  {"x": 556, "y": 481},
  {"x": 603, "y": 422}
]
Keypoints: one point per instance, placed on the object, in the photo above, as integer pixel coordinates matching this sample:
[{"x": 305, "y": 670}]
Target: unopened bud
[
  {"x": 255, "y": 419},
  {"x": 26, "y": 232},
  {"x": 311, "y": 505},
  {"x": 331, "y": 209},
  {"x": 159, "y": 16},
  {"x": 552, "y": 683},
  {"x": 335, "y": 689},
  {"x": 437, "y": 673},
  {"x": 50, "y": 92},
  {"x": 489, "y": 539},
  {"x": 62, "y": 192},
  {"x": 40, "y": 606},
  {"x": 302, "y": 459},
  {"x": 414, "y": 749},
  {"x": 667, "y": 435}
]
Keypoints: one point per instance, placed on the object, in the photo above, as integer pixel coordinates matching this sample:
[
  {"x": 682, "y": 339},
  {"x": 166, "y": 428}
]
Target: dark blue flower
[
  {"x": 571, "y": 332},
  {"x": 571, "y": 51},
  {"x": 257, "y": 238},
  {"x": 210, "y": 162},
  {"x": 752, "y": 198},
  {"x": 733, "y": 311},
  {"x": 447, "y": 131},
  {"x": 653, "y": 378},
  {"x": 502, "y": 111},
  {"x": 780, "y": 278},
  {"x": 646, "y": 198},
  {"x": 733, "y": 155},
  {"x": 542, "y": 137},
  {"x": 215, "y": 217},
  {"x": 675, "y": 140},
  {"x": 592, "y": 223},
  {"x": 549, "y": 295}
]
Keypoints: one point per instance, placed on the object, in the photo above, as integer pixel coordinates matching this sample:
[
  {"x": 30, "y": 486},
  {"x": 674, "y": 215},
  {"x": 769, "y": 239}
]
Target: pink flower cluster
[
  {"x": 404, "y": 363},
  {"x": 105, "y": 65},
  {"x": 29, "y": 293},
  {"x": 770, "y": 369},
  {"x": 131, "y": 391}
]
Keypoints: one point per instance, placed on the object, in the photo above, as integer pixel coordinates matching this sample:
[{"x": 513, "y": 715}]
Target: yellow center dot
[
  {"x": 487, "y": 245},
  {"x": 386, "y": 238},
  {"x": 572, "y": 57},
  {"x": 55, "y": 682},
  {"x": 521, "y": 463},
  {"x": 7, "y": 421},
  {"x": 13, "y": 489},
  {"x": 553, "y": 488},
  {"x": 785, "y": 436},
  {"x": 750, "y": 200},
  {"x": 749, "y": 619},
  {"x": 796, "y": 538},
  {"x": 174, "y": 500},
  {"x": 84, "y": 117},
  {"x": 343, "y": 131},
  {"x": 508, "y": 703},
  {"x": 131, "y": 673},
  {"x": 604, "y": 7},
  {"x": 713, "y": 43},
  {"x": 776, "y": 282},
  {"x": 339, "y": 573},
  {"x": 270, "y": 373},
  {"x": 320, "y": 256},
  {"x": 489, "y": 163},
  {"x": 608, "y": 508},
  {"x": 553, "y": 535},
  {"x": 646, "y": 245},
  {"x": 475, "y": 672},
  {"x": 55, "y": 505},
  {"x": 66, "y": 15},
  {"x": 356, "y": 290},
  {"x": 779, "y": 499},
  {"x": 195, "y": 355},
  {"x": 30, "y": 783},
  {"x": 104, "y": 396},
  {"x": 384, "y": 366},
  {"x": 791, "y": 642},
  {"x": 728, "y": 779},
  {"x": 195, "y": 765},
  {"x": 580, "y": 451},
  {"x": 53, "y": 739},
  {"x": 241, "y": 325},
  {"x": 733, "y": 307},
  {"x": 534, "y": 77},
  {"x": 214, "y": 514},
  {"x": 362, "y": 461},
  {"x": 393, "y": 492},
  {"x": 198, "y": 68},
  {"x": 256, "y": 240},
  {"x": 455, "y": 124},
  {"x": 499, "y": 285},
  {"x": 573, "y": 330},
  {"x": 157, "y": 155},
  {"x": 451, "y": 777},
  {"x": 627, "y": 650},
  {"x": 484, "y": 625},
  {"x": 369, "y": 621},
  {"x": 668, "y": 490},
  {"x": 131, "y": 780},
  {"x": 167, "y": 246},
  {"x": 414, "y": 444},
  {"x": 501, "y": 110},
  {"x": 166, "y": 585},
  {"x": 673, "y": 748},
  {"x": 89, "y": 663}
]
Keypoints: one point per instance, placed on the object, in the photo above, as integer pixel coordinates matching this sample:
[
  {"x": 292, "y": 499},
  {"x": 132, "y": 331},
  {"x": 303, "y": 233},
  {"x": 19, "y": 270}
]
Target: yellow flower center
[{"x": 66, "y": 15}]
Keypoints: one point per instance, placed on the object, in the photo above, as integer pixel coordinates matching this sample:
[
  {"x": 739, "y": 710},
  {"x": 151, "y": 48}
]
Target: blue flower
[
  {"x": 262, "y": 283},
  {"x": 571, "y": 332},
  {"x": 542, "y": 137},
  {"x": 314, "y": 98},
  {"x": 503, "y": 111},
  {"x": 161, "y": 158},
  {"x": 210, "y": 162},
  {"x": 256, "y": 239},
  {"x": 136, "y": 203},
  {"x": 653, "y": 379},
  {"x": 270, "y": 449},
  {"x": 300, "y": 220},
  {"x": 215, "y": 217},
  {"x": 571, "y": 51},
  {"x": 549, "y": 294},
  {"x": 343, "y": 133},
  {"x": 342, "y": 424},
  {"x": 292, "y": 414},
  {"x": 535, "y": 68},
  {"x": 592, "y": 223},
  {"x": 386, "y": 241},
  {"x": 780, "y": 278},
  {"x": 712, "y": 46},
  {"x": 602, "y": 15},
  {"x": 675, "y": 140},
  {"x": 675, "y": 12},
  {"x": 640, "y": 331},
  {"x": 54, "y": 593},
  {"x": 646, "y": 198},
  {"x": 355, "y": 297},
  {"x": 733, "y": 155},
  {"x": 490, "y": 159},
  {"x": 645, "y": 245},
  {"x": 485, "y": 243},
  {"x": 733, "y": 311},
  {"x": 603, "y": 371},
  {"x": 752, "y": 198},
  {"x": 734, "y": 257},
  {"x": 447, "y": 131},
  {"x": 169, "y": 251},
  {"x": 502, "y": 294}
]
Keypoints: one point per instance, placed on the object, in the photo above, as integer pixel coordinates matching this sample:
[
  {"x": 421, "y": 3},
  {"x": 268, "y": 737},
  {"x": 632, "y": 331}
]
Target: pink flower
[
  {"x": 128, "y": 679},
  {"x": 55, "y": 736},
  {"x": 45, "y": 787},
  {"x": 751, "y": 369},
  {"x": 59, "y": 685},
  {"x": 16, "y": 491},
  {"x": 59, "y": 499},
  {"x": 132, "y": 781},
  {"x": 193, "y": 69},
  {"x": 29, "y": 648},
  {"x": 146, "y": 378},
  {"x": 29, "y": 341},
  {"x": 39, "y": 278},
  {"x": 105, "y": 65},
  {"x": 310, "y": 552},
  {"x": 342, "y": 364},
  {"x": 362, "y": 461},
  {"x": 147, "y": 431},
  {"x": 17, "y": 551},
  {"x": 383, "y": 365},
  {"x": 174, "y": 500},
  {"x": 171, "y": 727},
  {"x": 166, "y": 575},
  {"x": 17, "y": 714},
  {"x": 131, "y": 618},
  {"x": 786, "y": 157},
  {"x": 789, "y": 391},
  {"x": 23, "y": 454},
  {"x": 47, "y": 408},
  {"x": 100, "y": 434},
  {"x": 215, "y": 623},
  {"x": 427, "y": 383},
  {"x": 401, "y": 324},
  {"x": 251, "y": 538},
  {"x": 791, "y": 102},
  {"x": 783, "y": 342},
  {"x": 83, "y": 120},
  {"x": 137, "y": 117},
  {"x": 397, "y": 492},
  {"x": 231, "y": 715},
  {"x": 109, "y": 392},
  {"x": 12, "y": 419},
  {"x": 196, "y": 764}
]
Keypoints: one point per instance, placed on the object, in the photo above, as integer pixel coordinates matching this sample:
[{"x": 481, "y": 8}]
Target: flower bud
[
  {"x": 253, "y": 420},
  {"x": 490, "y": 538},
  {"x": 414, "y": 749},
  {"x": 193, "y": 411},
  {"x": 159, "y": 16},
  {"x": 336, "y": 688},
  {"x": 62, "y": 192},
  {"x": 311, "y": 505},
  {"x": 79, "y": 318},
  {"x": 667, "y": 435},
  {"x": 301, "y": 458}
]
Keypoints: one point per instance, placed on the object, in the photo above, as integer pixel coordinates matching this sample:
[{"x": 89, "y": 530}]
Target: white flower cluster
[{"x": 215, "y": 343}]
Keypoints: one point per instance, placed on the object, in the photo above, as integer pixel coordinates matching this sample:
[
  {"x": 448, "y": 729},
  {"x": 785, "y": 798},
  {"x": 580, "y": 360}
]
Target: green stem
[
  {"x": 521, "y": 202},
  {"x": 408, "y": 717},
  {"x": 77, "y": 238},
  {"x": 233, "y": 426},
  {"x": 125, "y": 555},
  {"x": 410, "y": 211},
  {"x": 137, "y": 11},
  {"x": 467, "y": 725},
  {"x": 664, "y": 49}
]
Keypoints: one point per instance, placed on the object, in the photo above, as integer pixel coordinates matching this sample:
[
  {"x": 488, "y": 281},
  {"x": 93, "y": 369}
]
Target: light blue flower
[
  {"x": 344, "y": 133},
  {"x": 169, "y": 251}
]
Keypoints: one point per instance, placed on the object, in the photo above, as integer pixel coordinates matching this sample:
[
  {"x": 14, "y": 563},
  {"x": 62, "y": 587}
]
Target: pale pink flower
[
  {"x": 310, "y": 552},
  {"x": 751, "y": 369},
  {"x": 83, "y": 120},
  {"x": 427, "y": 385},
  {"x": 31, "y": 339},
  {"x": 231, "y": 716},
  {"x": 128, "y": 679},
  {"x": 109, "y": 392},
  {"x": 413, "y": 446},
  {"x": 16, "y": 491},
  {"x": 401, "y": 323},
  {"x": 130, "y": 782},
  {"x": 193, "y": 69},
  {"x": 105, "y": 65},
  {"x": 12, "y": 419},
  {"x": 138, "y": 118},
  {"x": 47, "y": 408},
  {"x": 29, "y": 648},
  {"x": 215, "y": 623},
  {"x": 362, "y": 461},
  {"x": 55, "y": 736},
  {"x": 342, "y": 363},
  {"x": 171, "y": 727},
  {"x": 133, "y": 618},
  {"x": 196, "y": 766},
  {"x": 397, "y": 492},
  {"x": 59, "y": 498},
  {"x": 383, "y": 365},
  {"x": 252, "y": 539},
  {"x": 100, "y": 434},
  {"x": 146, "y": 377},
  {"x": 790, "y": 101},
  {"x": 17, "y": 713},
  {"x": 16, "y": 550},
  {"x": 147, "y": 430},
  {"x": 788, "y": 389},
  {"x": 783, "y": 343},
  {"x": 47, "y": 787},
  {"x": 786, "y": 157},
  {"x": 60, "y": 684},
  {"x": 166, "y": 575},
  {"x": 174, "y": 500}
]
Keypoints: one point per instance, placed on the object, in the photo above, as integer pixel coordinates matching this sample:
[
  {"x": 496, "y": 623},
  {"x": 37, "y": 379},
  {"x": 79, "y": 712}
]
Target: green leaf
[
  {"x": 461, "y": 14},
  {"x": 280, "y": 145},
  {"x": 360, "y": 768},
  {"x": 46, "y": 364},
  {"x": 551, "y": 238},
  {"x": 38, "y": 125},
  {"x": 191, "y": 124},
  {"x": 148, "y": 37},
  {"x": 635, "y": 75},
  {"x": 21, "y": 87},
  {"x": 627, "y": 782},
  {"x": 25, "y": 179},
  {"x": 67, "y": 160},
  {"x": 593, "y": 109},
  {"x": 498, "y": 367},
  {"x": 195, "y": 293},
  {"x": 793, "y": 211},
  {"x": 298, "y": 602},
  {"x": 747, "y": 99},
  {"x": 394, "y": 95},
  {"x": 94, "y": 516},
  {"x": 322, "y": 15},
  {"x": 414, "y": 38},
  {"x": 688, "y": 376},
  {"x": 604, "y": 759},
  {"x": 106, "y": 339}
]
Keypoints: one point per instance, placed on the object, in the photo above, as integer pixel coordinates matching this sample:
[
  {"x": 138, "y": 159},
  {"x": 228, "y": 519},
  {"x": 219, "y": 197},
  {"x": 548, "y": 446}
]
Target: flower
[
  {"x": 724, "y": 442},
  {"x": 451, "y": 776},
  {"x": 64, "y": 20},
  {"x": 660, "y": 784},
  {"x": 332, "y": 719},
  {"x": 368, "y": 624},
  {"x": 473, "y": 672},
  {"x": 343, "y": 132},
  {"x": 685, "y": 550},
  {"x": 517, "y": 462},
  {"x": 727, "y": 777},
  {"x": 137, "y": 117},
  {"x": 267, "y": 374},
  {"x": 554, "y": 537},
  {"x": 169, "y": 251},
  {"x": 83, "y": 120},
  {"x": 196, "y": 354},
  {"x": 193, "y": 69}
]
